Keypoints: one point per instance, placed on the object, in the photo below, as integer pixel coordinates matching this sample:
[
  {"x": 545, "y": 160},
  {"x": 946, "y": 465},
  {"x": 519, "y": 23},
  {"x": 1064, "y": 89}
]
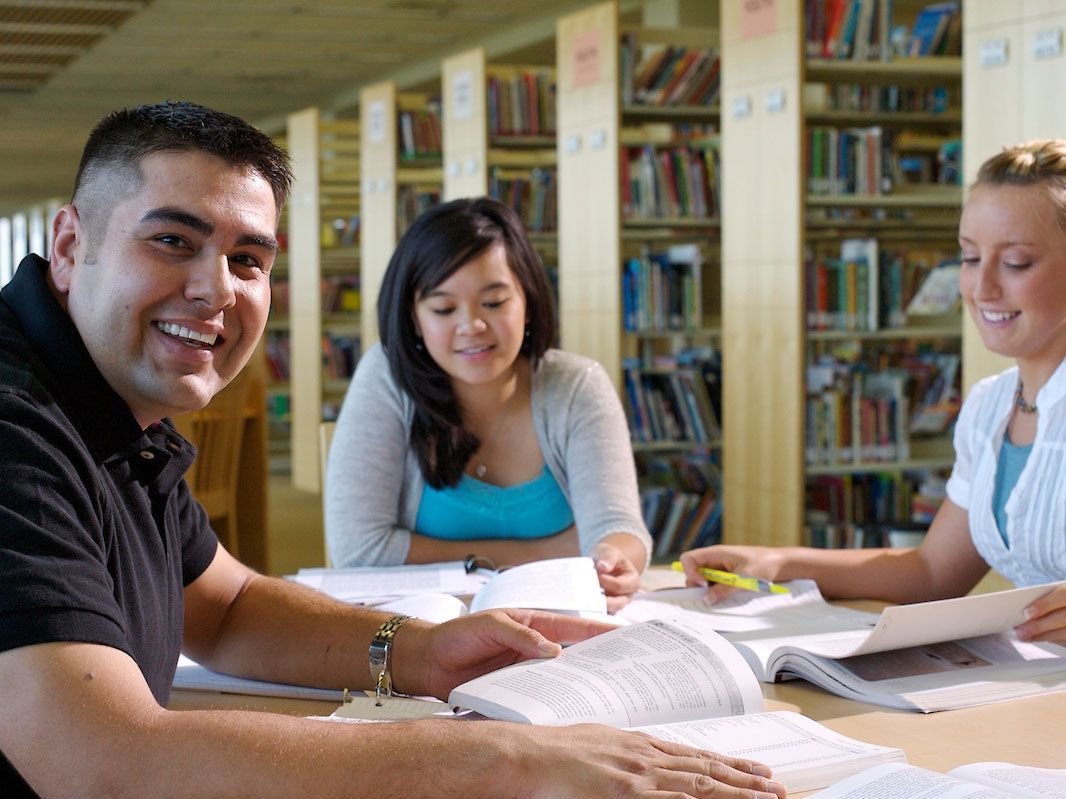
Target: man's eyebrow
[
  {"x": 202, "y": 226},
  {"x": 179, "y": 217}
]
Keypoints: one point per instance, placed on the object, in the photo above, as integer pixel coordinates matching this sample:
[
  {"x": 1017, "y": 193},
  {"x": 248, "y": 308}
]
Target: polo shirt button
[{"x": 147, "y": 454}]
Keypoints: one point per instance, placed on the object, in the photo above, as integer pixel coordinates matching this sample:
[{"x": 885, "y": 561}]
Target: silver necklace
[
  {"x": 480, "y": 469},
  {"x": 1019, "y": 400}
]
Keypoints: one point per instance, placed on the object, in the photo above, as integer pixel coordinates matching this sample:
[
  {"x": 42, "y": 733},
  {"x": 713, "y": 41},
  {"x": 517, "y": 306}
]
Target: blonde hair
[{"x": 1040, "y": 162}]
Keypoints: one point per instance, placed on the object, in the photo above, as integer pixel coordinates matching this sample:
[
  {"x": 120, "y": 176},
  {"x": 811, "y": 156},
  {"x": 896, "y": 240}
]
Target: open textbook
[
  {"x": 972, "y": 781},
  {"x": 433, "y": 592},
  {"x": 927, "y": 656},
  {"x": 676, "y": 680}
]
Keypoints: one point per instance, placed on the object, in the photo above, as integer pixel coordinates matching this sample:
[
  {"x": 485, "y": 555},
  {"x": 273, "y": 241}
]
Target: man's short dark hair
[{"x": 122, "y": 139}]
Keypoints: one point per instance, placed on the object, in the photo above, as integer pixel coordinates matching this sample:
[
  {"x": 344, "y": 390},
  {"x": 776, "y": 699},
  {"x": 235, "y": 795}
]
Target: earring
[
  {"x": 419, "y": 346},
  {"x": 527, "y": 331}
]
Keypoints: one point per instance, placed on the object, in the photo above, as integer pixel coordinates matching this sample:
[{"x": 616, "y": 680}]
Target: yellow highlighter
[{"x": 737, "y": 580}]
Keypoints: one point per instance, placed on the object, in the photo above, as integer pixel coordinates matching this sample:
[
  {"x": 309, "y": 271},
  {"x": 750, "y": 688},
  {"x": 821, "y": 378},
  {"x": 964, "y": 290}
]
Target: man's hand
[
  {"x": 431, "y": 660},
  {"x": 1046, "y": 618},
  {"x": 591, "y": 760}
]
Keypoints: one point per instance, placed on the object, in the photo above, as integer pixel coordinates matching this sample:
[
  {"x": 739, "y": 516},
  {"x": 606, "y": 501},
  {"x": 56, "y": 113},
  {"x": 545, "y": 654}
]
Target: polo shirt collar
[{"x": 102, "y": 417}]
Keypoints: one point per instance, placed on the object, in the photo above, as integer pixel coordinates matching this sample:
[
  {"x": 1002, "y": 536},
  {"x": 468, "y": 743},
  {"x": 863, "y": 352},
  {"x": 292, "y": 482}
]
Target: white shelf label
[
  {"x": 463, "y": 95},
  {"x": 597, "y": 139},
  {"x": 1047, "y": 43},
  {"x": 453, "y": 169},
  {"x": 993, "y": 53},
  {"x": 774, "y": 102},
  {"x": 741, "y": 106},
  {"x": 573, "y": 143},
  {"x": 375, "y": 114},
  {"x": 471, "y": 165}
]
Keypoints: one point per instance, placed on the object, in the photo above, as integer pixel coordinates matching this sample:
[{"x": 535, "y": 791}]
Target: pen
[{"x": 737, "y": 580}]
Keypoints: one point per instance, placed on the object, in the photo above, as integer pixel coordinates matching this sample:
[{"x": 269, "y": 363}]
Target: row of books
[
  {"x": 663, "y": 290},
  {"x": 664, "y": 75},
  {"x": 522, "y": 104},
  {"x": 532, "y": 197},
  {"x": 863, "y": 421},
  {"x": 412, "y": 202},
  {"x": 865, "y": 30},
  {"x": 341, "y": 231},
  {"x": 340, "y": 354},
  {"x": 420, "y": 133},
  {"x": 873, "y": 98},
  {"x": 671, "y": 407},
  {"x": 679, "y": 521},
  {"x": 863, "y": 413},
  {"x": 277, "y": 352},
  {"x": 872, "y": 510},
  {"x": 849, "y": 160},
  {"x": 867, "y": 289},
  {"x": 340, "y": 294},
  {"x": 670, "y": 182}
]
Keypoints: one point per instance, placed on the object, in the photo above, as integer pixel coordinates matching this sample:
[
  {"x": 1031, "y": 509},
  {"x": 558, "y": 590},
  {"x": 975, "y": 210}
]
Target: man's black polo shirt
[{"x": 98, "y": 531}]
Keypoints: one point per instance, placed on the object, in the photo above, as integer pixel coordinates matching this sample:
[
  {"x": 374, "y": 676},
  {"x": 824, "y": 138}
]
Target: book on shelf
[
  {"x": 850, "y": 161},
  {"x": 667, "y": 75},
  {"x": 531, "y": 195},
  {"x": 939, "y": 292},
  {"x": 936, "y": 31},
  {"x": 663, "y": 290},
  {"x": 976, "y": 780},
  {"x": 670, "y": 182},
  {"x": 928, "y": 656},
  {"x": 442, "y": 591},
  {"x": 670, "y": 407},
  {"x": 676, "y": 680},
  {"x": 420, "y": 132},
  {"x": 521, "y": 102}
]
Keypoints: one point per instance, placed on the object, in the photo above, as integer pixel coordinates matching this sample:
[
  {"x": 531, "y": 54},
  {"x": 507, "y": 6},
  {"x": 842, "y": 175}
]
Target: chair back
[{"x": 217, "y": 433}]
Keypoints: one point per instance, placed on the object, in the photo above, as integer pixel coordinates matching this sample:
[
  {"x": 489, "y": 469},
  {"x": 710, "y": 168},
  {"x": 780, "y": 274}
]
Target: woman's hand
[
  {"x": 764, "y": 562},
  {"x": 619, "y": 577},
  {"x": 1046, "y": 618}
]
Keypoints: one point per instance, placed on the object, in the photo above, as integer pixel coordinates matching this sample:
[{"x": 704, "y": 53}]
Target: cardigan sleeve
[
  {"x": 588, "y": 443},
  {"x": 366, "y": 482}
]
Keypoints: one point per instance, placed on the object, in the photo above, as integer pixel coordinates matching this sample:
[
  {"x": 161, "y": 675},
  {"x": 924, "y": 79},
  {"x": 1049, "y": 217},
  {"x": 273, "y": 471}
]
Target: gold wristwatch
[{"x": 380, "y": 656}]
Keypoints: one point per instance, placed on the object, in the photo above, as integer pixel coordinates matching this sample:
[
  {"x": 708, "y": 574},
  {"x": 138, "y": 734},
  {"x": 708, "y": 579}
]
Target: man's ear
[{"x": 67, "y": 235}]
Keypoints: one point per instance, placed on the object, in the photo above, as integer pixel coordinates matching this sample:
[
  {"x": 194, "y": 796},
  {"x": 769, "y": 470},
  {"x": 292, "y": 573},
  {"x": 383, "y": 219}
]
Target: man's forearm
[{"x": 283, "y": 632}]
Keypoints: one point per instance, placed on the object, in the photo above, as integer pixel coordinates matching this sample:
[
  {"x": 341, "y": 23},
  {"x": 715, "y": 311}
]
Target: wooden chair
[
  {"x": 217, "y": 432},
  {"x": 325, "y": 438}
]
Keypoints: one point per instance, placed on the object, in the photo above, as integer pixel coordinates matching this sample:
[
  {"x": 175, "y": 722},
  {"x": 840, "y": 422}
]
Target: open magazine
[
  {"x": 976, "y": 780},
  {"x": 676, "y": 680},
  {"x": 927, "y": 656}
]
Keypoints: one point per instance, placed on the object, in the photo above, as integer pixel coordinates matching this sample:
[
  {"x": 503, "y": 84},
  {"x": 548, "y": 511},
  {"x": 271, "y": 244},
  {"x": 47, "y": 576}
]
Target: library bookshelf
[
  {"x": 402, "y": 175},
  {"x": 638, "y": 241},
  {"x": 793, "y": 222},
  {"x": 321, "y": 273}
]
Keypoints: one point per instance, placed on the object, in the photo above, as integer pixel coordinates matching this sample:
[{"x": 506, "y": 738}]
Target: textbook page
[
  {"x": 746, "y": 610},
  {"x": 647, "y": 673},
  {"x": 940, "y": 676},
  {"x": 191, "y": 676},
  {"x": 975, "y": 781},
  {"x": 928, "y": 622},
  {"x": 803, "y": 754},
  {"x": 568, "y": 585}
]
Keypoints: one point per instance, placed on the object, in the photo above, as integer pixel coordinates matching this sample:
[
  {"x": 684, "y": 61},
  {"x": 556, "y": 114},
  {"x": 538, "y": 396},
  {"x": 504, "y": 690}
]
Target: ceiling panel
[{"x": 66, "y": 63}]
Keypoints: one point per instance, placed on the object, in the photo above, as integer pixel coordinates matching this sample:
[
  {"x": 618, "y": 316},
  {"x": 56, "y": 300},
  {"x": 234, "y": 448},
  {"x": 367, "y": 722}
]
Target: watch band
[{"x": 380, "y": 656}]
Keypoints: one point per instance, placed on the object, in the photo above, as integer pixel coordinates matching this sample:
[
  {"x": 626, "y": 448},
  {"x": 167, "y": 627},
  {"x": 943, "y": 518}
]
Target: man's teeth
[
  {"x": 998, "y": 316},
  {"x": 172, "y": 329}
]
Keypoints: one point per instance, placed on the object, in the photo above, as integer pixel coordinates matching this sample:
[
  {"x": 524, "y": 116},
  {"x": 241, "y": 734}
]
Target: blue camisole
[
  {"x": 473, "y": 510},
  {"x": 1011, "y": 461}
]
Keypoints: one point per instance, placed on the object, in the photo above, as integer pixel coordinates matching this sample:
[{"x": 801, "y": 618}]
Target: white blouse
[{"x": 1035, "y": 551}]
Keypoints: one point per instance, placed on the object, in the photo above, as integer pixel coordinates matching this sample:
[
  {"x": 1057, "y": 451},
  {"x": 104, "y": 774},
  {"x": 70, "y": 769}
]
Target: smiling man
[{"x": 155, "y": 294}]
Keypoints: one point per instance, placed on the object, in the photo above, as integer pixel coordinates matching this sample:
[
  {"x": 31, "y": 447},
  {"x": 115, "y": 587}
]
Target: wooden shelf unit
[
  {"x": 384, "y": 172},
  {"x": 325, "y": 199},
  {"x": 763, "y": 256}
]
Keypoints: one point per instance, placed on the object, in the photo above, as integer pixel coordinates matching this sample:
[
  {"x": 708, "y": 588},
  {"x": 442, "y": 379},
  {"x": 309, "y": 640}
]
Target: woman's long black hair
[{"x": 439, "y": 242}]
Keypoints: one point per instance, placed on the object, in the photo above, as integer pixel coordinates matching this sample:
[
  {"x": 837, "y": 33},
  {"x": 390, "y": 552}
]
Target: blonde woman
[{"x": 1006, "y": 505}]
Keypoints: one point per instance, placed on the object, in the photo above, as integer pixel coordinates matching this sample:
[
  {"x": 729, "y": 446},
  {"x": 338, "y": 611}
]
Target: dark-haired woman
[{"x": 464, "y": 433}]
